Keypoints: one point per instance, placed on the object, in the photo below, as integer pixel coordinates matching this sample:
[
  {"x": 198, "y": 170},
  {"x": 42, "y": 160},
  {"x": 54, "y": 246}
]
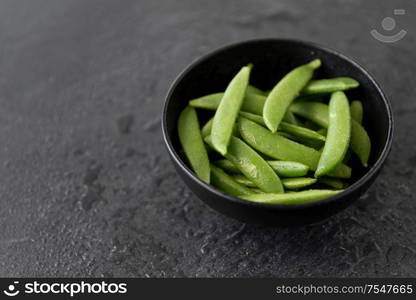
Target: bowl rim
[{"x": 346, "y": 192}]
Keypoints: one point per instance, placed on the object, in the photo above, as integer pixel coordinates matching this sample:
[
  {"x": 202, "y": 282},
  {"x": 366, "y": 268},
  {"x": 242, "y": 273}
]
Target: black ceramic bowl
[{"x": 272, "y": 58}]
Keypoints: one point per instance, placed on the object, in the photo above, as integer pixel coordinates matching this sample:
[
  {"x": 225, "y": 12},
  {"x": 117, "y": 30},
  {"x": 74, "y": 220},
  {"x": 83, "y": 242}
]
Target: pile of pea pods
[{"x": 289, "y": 145}]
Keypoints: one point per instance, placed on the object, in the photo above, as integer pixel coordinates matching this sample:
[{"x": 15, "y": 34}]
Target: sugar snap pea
[
  {"x": 285, "y": 91},
  {"x": 333, "y": 182},
  {"x": 226, "y": 114},
  {"x": 288, "y": 168},
  {"x": 360, "y": 142},
  {"x": 279, "y": 147},
  {"x": 252, "y": 165},
  {"x": 190, "y": 138},
  {"x": 291, "y": 198},
  {"x": 209, "y": 102},
  {"x": 252, "y": 102},
  {"x": 297, "y": 183},
  {"x": 357, "y": 111},
  {"x": 318, "y": 112},
  {"x": 324, "y": 86},
  {"x": 226, "y": 183},
  {"x": 338, "y": 136},
  {"x": 288, "y": 183},
  {"x": 281, "y": 167}
]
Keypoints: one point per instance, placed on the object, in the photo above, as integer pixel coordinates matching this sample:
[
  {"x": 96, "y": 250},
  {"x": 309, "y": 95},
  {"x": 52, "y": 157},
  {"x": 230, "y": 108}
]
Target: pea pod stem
[
  {"x": 252, "y": 102},
  {"x": 282, "y": 168},
  {"x": 326, "y": 86}
]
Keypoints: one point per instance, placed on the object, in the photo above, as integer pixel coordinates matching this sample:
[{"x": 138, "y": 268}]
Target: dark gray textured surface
[{"x": 87, "y": 188}]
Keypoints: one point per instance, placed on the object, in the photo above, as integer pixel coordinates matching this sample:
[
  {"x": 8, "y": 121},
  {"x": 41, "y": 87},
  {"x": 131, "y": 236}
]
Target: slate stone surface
[{"x": 87, "y": 188}]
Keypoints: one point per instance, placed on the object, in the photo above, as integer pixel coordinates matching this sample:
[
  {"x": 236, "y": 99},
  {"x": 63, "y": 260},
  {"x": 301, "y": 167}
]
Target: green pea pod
[
  {"x": 226, "y": 183},
  {"x": 338, "y": 136},
  {"x": 192, "y": 143},
  {"x": 318, "y": 112},
  {"x": 297, "y": 183},
  {"x": 279, "y": 147},
  {"x": 227, "y": 111},
  {"x": 206, "y": 129},
  {"x": 253, "y": 117},
  {"x": 282, "y": 168},
  {"x": 241, "y": 179},
  {"x": 332, "y": 182},
  {"x": 285, "y": 91},
  {"x": 357, "y": 111},
  {"x": 288, "y": 168},
  {"x": 360, "y": 142},
  {"x": 326, "y": 86},
  {"x": 210, "y": 102},
  {"x": 252, "y": 103},
  {"x": 291, "y": 198},
  {"x": 253, "y": 90},
  {"x": 289, "y": 117},
  {"x": 314, "y": 111},
  {"x": 252, "y": 165}
]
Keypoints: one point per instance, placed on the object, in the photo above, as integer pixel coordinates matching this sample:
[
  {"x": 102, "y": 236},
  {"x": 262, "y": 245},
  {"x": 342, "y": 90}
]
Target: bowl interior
[{"x": 272, "y": 59}]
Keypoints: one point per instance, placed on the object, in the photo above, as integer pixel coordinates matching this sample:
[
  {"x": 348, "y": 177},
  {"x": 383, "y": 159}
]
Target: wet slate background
[{"x": 87, "y": 188}]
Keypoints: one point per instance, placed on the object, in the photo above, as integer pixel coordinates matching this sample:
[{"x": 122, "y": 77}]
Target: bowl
[{"x": 272, "y": 59}]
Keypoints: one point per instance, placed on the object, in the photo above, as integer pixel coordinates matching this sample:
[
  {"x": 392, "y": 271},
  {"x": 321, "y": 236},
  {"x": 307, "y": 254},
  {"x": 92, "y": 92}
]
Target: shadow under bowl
[{"x": 272, "y": 59}]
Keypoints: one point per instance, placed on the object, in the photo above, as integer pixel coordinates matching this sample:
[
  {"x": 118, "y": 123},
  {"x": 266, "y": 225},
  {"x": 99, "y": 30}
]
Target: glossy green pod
[
  {"x": 297, "y": 183},
  {"x": 227, "y": 112},
  {"x": 360, "y": 142},
  {"x": 192, "y": 143},
  {"x": 285, "y": 91},
  {"x": 279, "y": 147},
  {"x": 252, "y": 103},
  {"x": 332, "y": 182},
  {"x": 357, "y": 111},
  {"x": 226, "y": 183},
  {"x": 338, "y": 135},
  {"x": 326, "y": 86},
  {"x": 288, "y": 168},
  {"x": 252, "y": 165},
  {"x": 291, "y": 198}
]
